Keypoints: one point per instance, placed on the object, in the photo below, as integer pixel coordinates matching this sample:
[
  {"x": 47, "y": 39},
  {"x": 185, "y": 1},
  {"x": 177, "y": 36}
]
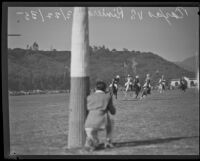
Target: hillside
[
  {"x": 29, "y": 70},
  {"x": 189, "y": 63}
]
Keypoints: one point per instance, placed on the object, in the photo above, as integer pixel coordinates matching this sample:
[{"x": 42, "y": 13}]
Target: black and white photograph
[{"x": 101, "y": 80}]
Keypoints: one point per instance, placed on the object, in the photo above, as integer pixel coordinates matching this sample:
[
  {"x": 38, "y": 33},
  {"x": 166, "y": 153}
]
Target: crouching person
[{"x": 99, "y": 105}]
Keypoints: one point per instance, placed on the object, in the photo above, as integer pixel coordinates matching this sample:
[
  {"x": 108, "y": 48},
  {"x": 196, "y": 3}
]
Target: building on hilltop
[{"x": 191, "y": 82}]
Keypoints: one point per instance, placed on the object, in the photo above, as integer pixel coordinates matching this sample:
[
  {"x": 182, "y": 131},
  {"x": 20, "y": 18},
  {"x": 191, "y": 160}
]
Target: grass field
[{"x": 166, "y": 124}]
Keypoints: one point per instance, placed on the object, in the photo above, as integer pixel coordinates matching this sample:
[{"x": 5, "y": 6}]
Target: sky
[{"x": 170, "y": 32}]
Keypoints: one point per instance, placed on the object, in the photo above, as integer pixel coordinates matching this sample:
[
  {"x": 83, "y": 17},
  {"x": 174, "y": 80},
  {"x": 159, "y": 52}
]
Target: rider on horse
[
  {"x": 162, "y": 82},
  {"x": 146, "y": 86},
  {"x": 183, "y": 84},
  {"x": 128, "y": 85},
  {"x": 114, "y": 86},
  {"x": 136, "y": 85}
]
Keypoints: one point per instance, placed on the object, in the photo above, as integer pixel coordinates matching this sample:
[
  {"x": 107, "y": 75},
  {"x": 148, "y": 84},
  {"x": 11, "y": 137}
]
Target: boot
[{"x": 108, "y": 144}]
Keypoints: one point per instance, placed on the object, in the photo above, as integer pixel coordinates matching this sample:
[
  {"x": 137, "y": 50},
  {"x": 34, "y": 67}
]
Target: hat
[
  {"x": 137, "y": 76},
  {"x": 117, "y": 76}
]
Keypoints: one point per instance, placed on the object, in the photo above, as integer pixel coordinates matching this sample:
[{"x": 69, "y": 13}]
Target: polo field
[{"x": 160, "y": 124}]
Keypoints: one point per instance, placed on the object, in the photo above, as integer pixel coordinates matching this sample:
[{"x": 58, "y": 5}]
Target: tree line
[{"x": 27, "y": 82}]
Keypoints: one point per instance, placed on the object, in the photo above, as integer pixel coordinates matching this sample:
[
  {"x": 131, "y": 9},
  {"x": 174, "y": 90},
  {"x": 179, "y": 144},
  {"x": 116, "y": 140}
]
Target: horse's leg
[
  {"x": 145, "y": 93},
  {"x": 116, "y": 95},
  {"x": 163, "y": 88},
  {"x": 139, "y": 90},
  {"x": 136, "y": 93},
  {"x": 110, "y": 92},
  {"x": 125, "y": 93},
  {"x": 142, "y": 94}
]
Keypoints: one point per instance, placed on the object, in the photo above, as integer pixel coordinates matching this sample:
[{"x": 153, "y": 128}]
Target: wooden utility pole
[
  {"x": 79, "y": 77},
  {"x": 197, "y": 69}
]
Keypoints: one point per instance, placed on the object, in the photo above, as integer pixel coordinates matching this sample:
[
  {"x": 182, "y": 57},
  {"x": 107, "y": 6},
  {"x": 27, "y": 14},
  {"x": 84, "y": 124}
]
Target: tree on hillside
[
  {"x": 35, "y": 46},
  {"x": 90, "y": 49},
  {"x": 124, "y": 49},
  {"x": 107, "y": 50},
  {"x": 114, "y": 50},
  {"x": 95, "y": 48}
]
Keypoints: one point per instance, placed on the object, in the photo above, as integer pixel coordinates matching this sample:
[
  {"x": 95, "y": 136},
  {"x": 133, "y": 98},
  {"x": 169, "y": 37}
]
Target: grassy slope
[{"x": 103, "y": 66}]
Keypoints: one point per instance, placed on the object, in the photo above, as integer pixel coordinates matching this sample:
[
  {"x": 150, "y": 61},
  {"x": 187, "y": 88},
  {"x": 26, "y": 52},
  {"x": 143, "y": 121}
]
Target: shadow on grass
[
  {"x": 131, "y": 144},
  {"x": 134, "y": 99},
  {"x": 172, "y": 98},
  {"x": 149, "y": 142}
]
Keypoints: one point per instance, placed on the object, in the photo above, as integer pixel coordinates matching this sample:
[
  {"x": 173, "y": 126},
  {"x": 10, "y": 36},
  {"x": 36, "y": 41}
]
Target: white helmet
[
  {"x": 117, "y": 76},
  {"x": 137, "y": 76}
]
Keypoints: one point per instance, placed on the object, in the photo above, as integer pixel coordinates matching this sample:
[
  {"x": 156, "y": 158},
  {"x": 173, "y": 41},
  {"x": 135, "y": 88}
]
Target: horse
[
  {"x": 183, "y": 85},
  {"x": 113, "y": 89},
  {"x": 136, "y": 88},
  {"x": 161, "y": 87},
  {"x": 128, "y": 87},
  {"x": 146, "y": 89}
]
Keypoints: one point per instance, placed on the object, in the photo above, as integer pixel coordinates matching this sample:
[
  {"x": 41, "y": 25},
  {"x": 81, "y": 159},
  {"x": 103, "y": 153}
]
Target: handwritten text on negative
[{"x": 114, "y": 13}]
